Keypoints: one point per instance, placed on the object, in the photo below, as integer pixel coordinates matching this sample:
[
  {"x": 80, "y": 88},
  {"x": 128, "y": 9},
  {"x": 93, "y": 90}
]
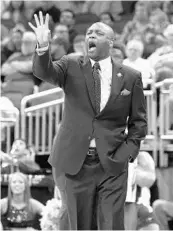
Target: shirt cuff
[{"x": 41, "y": 50}]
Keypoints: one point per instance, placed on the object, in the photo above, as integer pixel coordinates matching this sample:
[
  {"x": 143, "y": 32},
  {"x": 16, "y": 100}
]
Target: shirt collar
[{"x": 103, "y": 63}]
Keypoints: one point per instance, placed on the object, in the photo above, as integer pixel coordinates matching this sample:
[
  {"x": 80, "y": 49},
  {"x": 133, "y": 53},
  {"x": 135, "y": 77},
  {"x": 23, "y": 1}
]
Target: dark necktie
[{"x": 97, "y": 86}]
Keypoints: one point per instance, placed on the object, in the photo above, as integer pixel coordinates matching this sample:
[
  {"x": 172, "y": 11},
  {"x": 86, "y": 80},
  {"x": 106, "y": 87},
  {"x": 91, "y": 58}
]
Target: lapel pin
[{"x": 119, "y": 75}]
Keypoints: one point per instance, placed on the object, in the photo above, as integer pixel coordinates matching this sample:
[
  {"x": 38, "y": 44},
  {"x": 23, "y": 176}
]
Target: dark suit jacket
[{"x": 80, "y": 122}]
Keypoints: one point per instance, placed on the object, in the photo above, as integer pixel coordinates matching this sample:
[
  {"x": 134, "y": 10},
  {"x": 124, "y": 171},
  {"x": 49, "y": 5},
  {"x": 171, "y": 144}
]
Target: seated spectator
[
  {"x": 18, "y": 209},
  {"x": 59, "y": 47},
  {"x": 154, "y": 7},
  {"x": 118, "y": 52},
  {"x": 138, "y": 25},
  {"x": 163, "y": 212},
  {"x": 4, "y": 33},
  {"x": 163, "y": 56},
  {"x": 15, "y": 14},
  {"x": 20, "y": 159},
  {"x": 98, "y": 7},
  {"x": 168, "y": 9},
  {"x": 11, "y": 44},
  {"x": 10, "y": 113},
  {"x": 134, "y": 51},
  {"x": 159, "y": 21},
  {"x": 107, "y": 18},
  {"x": 21, "y": 62},
  {"x": 79, "y": 45},
  {"x": 50, "y": 8},
  {"x": 67, "y": 18},
  {"x": 62, "y": 31}
]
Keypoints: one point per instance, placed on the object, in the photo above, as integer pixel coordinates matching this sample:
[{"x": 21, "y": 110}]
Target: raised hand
[{"x": 42, "y": 30}]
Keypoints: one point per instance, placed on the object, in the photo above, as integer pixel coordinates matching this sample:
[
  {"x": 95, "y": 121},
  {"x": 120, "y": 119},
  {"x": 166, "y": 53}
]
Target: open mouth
[{"x": 91, "y": 46}]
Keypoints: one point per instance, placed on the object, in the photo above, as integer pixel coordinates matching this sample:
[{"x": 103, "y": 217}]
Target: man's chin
[{"x": 92, "y": 55}]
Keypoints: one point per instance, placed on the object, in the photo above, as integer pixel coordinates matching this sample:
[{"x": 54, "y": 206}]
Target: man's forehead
[{"x": 97, "y": 26}]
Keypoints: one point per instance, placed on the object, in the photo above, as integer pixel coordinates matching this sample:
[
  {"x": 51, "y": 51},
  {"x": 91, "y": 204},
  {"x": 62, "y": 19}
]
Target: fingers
[
  {"x": 41, "y": 17},
  {"x": 47, "y": 20},
  {"x": 33, "y": 27},
  {"x": 36, "y": 20}
]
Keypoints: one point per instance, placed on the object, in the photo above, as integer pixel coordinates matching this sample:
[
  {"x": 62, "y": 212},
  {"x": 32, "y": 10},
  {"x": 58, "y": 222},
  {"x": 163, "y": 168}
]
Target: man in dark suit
[{"x": 91, "y": 151}]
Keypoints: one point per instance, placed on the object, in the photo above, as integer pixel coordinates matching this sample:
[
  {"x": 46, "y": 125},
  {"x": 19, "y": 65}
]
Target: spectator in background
[
  {"x": 118, "y": 52},
  {"x": 59, "y": 47},
  {"x": 107, "y": 18},
  {"x": 163, "y": 212},
  {"x": 163, "y": 56},
  {"x": 61, "y": 31},
  {"x": 11, "y": 44},
  {"x": 168, "y": 9},
  {"x": 154, "y": 7},
  {"x": 20, "y": 63},
  {"x": 98, "y": 7},
  {"x": 138, "y": 25},
  {"x": 8, "y": 112},
  {"x": 50, "y": 8},
  {"x": 4, "y": 33},
  {"x": 134, "y": 51},
  {"x": 21, "y": 159},
  {"x": 159, "y": 21},
  {"x": 67, "y": 18},
  {"x": 79, "y": 45},
  {"x": 15, "y": 14},
  {"x": 18, "y": 209}
]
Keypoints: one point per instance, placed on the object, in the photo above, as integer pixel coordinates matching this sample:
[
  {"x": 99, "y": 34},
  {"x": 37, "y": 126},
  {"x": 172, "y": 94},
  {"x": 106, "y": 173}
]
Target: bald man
[{"x": 91, "y": 151}]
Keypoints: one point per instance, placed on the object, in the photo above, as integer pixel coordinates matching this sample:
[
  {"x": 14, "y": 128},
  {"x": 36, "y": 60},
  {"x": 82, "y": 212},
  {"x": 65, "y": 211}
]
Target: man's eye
[{"x": 100, "y": 33}]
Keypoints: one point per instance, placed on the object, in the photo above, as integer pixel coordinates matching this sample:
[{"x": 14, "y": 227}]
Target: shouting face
[{"x": 99, "y": 40}]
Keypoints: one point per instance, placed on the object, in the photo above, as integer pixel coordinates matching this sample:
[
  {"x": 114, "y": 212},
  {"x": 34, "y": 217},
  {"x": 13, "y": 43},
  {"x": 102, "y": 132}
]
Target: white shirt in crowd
[{"x": 141, "y": 65}]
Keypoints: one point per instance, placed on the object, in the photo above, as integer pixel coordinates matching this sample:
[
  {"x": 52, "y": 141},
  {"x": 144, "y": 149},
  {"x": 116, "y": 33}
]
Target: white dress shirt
[{"x": 106, "y": 81}]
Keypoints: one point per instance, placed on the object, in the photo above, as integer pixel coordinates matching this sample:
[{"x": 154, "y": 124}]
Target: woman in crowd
[{"x": 18, "y": 209}]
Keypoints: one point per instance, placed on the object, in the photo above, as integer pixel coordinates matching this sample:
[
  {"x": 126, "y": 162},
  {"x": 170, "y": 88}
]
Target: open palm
[{"x": 42, "y": 28}]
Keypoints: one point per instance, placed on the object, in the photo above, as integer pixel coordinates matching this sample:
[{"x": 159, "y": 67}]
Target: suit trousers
[{"x": 93, "y": 198}]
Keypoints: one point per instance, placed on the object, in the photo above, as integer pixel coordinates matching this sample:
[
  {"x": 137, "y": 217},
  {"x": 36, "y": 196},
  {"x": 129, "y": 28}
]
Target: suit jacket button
[{"x": 89, "y": 137}]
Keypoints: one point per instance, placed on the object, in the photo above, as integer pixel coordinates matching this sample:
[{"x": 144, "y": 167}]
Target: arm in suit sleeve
[
  {"x": 137, "y": 122},
  {"x": 47, "y": 70}
]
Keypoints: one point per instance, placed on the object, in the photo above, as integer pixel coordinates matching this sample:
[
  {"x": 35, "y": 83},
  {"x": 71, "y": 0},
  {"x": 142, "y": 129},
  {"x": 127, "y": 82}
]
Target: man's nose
[{"x": 93, "y": 35}]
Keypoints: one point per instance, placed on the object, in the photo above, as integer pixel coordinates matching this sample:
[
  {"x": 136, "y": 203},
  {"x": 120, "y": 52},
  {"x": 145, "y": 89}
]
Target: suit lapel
[
  {"x": 87, "y": 72},
  {"x": 116, "y": 86},
  {"x": 117, "y": 79}
]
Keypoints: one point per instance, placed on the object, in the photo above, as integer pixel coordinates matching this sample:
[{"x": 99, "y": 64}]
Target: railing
[
  {"x": 39, "y": 123},
  {"x": 9, "y": 128},
  {"x": 166, "y": 121},
  {"x": 150, "y": 142}
]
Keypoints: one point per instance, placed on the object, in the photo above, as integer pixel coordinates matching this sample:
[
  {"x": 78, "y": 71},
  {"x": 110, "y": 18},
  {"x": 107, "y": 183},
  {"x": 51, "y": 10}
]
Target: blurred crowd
[{"x": 143, "y": 41}]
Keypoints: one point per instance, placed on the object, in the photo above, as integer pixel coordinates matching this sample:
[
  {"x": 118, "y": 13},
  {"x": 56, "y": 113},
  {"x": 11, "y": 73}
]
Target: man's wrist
[
  {"x": 41, "y": 50},
  {"x": 43, "y": 45}
]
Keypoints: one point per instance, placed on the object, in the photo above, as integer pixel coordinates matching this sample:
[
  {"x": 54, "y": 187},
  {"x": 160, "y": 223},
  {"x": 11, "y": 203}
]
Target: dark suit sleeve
[
  {"x": 137, "y": 122},
  {"x": 52, "y": 72}
]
